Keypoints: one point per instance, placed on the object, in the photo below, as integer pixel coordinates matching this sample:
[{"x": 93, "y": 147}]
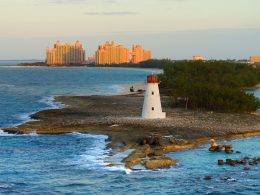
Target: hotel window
[
  {"x": 153, "y": 93},
  {"x": 152, "y": 108}
]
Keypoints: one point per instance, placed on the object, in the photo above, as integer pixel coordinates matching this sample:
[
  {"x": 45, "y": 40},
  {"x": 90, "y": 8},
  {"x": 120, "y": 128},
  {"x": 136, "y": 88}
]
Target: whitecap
[
  {"x": 6, "y": 85},
  {"x": 6, "y": 186}
]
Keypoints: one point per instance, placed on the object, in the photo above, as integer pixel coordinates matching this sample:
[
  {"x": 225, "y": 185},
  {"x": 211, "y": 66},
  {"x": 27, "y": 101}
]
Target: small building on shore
[
  {"x": 196, "y": 58},
  {"x": 152, "y": 108},
  {"x": 254, "y": 59}
]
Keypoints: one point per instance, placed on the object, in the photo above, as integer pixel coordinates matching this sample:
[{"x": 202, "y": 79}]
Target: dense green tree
[{"x": 212, "y": 85}]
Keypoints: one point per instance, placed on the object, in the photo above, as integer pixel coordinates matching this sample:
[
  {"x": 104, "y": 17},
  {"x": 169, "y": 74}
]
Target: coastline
[
  {"x": 257, "y": 86},
  {"x": 118, "y": 117}
]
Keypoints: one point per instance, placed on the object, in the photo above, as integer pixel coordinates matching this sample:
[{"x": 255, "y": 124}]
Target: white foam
[
  {"x": 6, "y": 85},
  {"x": 94, "y": 136},
  {"x": 51, "y": 103},
  {"x": 97, "y": 155},
  {"x": 116, "y": 89},
  {"x": 25, "y": 117},
  {"x": 4, "y": 134},
  {"x": 94, "y": 155},
  {"x": 48, "y": 100}
]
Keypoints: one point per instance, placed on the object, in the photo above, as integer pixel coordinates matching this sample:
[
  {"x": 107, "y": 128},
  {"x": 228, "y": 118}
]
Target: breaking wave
[
  {"x": 97, "y": 155},
  {"x": 51, "y": 103}
]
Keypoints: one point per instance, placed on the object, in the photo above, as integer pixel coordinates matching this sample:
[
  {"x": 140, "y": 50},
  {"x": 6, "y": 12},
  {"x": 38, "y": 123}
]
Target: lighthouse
[{"x": 152, "y": 108}]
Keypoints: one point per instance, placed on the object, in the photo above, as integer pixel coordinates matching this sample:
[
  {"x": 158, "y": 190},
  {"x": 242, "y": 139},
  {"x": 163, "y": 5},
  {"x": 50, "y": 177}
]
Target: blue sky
[{"x": 175, "y": 29}]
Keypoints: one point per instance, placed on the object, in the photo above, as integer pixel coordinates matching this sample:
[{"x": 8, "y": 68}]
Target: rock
[
  {"x": 221, "y": 162},
  {"x": 208, "y": 178},
  {"x": 144, "y": 151},
  {"x": 218, "y": 148},
  {"x": 228, "y": 178},
  {"x": 242, "y": 162},
  {"x": 214, "y": 146},
  {"x": 231, "y": 162},
  {"x": 158, "y": 152},
  {"x": 246, "y": 169},
  {"x": 130, "y": 162},
  {"x": 213, "y": 143},
  {"x": 140, "y": 90},
  {"x": 154, "y": 140},
  {"x": 163, "y": 162},
  {"x": 136, "y": 157},
  {"x": 252, "y": 163},
  {"x": 238, "y": 152},
  {"x": 174, "y": 140},
  {"x": 228, "y": 149}
]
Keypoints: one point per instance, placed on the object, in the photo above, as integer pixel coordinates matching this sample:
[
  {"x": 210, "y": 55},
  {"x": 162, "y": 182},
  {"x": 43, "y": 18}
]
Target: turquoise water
[
  {"x": 76, "y": 163},
  {"x": 27, "y": 90}
]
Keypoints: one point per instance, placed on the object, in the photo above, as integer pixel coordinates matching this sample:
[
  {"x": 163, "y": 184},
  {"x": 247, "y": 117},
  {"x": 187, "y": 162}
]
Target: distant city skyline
[{"x": 176, "y": 29}]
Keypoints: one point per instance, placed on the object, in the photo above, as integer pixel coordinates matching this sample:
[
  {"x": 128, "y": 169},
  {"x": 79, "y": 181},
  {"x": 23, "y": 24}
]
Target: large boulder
[
  {"x": 153, "y": 140},
  {"x": 214, "y": 147},
  {"x": 159, "y": 163},
  {"x": 228, "y": 149},
  {"x": 136, "y": 157}
]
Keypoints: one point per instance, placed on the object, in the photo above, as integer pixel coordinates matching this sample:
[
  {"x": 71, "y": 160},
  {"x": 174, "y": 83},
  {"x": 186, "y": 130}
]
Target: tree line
[{"x": 211, "y": 85}]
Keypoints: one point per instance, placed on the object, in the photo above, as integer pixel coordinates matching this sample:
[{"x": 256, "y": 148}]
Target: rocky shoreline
[{"x": 119, "y": 118}]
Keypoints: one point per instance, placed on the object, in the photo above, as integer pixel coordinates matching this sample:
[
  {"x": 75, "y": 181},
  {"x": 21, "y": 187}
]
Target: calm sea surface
[{"x": 76, "y": 163}]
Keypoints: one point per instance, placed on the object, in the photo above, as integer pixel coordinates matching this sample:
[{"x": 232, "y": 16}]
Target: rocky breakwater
[{"x": 245, "y": 161}]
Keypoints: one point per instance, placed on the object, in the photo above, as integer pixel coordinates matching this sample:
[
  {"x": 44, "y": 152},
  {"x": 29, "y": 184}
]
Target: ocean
[{"x": 77, "y": 163}]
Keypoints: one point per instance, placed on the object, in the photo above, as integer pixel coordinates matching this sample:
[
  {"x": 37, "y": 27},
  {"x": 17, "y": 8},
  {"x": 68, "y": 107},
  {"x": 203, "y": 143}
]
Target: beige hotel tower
[
  {"x": 65, "y": 54},
  {"x": 111, "y": 53}
]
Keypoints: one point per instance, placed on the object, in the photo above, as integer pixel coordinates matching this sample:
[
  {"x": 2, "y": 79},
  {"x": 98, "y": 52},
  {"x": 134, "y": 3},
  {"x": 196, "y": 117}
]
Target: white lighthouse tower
[{"x": 152, "y": 108}]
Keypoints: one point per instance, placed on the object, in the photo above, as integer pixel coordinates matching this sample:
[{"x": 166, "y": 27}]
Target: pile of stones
[
  {"x": 153, "y": 140},
  {"x": 244, "y": 161},
  {"x": 214, "y": 147}
]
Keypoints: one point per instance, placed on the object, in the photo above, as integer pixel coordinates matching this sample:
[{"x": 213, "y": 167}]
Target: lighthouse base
[{"x": 161, "y": 115}]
